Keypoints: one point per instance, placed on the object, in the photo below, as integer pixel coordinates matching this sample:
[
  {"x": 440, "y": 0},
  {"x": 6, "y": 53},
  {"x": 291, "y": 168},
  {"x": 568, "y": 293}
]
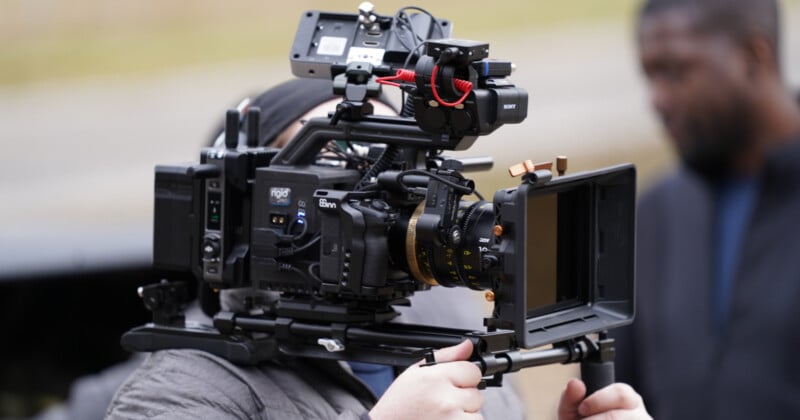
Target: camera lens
[{"x": 446, "y": 262}]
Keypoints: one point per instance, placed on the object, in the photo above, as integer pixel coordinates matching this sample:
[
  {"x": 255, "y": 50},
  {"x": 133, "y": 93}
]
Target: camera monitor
[{"x": 326, "y": 41}]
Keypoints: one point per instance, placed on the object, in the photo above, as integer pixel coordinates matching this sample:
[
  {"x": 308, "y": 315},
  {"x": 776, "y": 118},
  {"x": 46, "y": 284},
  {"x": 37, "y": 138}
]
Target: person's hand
[
  {"x": 446, "y": 390},
  {"x": 617, "y": 401}
]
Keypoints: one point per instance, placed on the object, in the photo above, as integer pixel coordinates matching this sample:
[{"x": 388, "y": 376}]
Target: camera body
[{"x": 342, "y": 240}]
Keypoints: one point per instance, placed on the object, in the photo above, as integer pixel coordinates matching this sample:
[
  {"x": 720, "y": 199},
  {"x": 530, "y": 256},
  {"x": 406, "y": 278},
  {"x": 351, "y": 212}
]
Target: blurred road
[{"x": 76, "y": 170}]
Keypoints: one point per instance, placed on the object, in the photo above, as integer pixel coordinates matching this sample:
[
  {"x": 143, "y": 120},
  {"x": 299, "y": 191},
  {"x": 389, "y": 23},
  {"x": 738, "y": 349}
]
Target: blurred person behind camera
[
  {"x": 193, "y": 384},
  {"x": 718, "y": 240}
]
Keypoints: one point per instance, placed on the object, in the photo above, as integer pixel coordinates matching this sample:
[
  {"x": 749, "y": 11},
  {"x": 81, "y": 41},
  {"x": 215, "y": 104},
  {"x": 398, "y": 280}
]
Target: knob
[
  {"x": 561, "y": 165},
  {"x": 489, "y": 261},
  {"x": 527, "y": 167},
  {"x": 232, "y": 129},
  {"x": 211, "y": 248}
]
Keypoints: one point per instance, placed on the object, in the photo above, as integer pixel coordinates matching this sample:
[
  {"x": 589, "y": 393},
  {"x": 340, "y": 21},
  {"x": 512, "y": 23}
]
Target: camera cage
[{"x": 233, "y": 180}]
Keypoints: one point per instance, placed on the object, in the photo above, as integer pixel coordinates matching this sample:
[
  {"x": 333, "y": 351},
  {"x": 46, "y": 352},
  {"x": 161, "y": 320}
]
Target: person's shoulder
[
  {"x": 189, "y": 363},
  {"x": 186, "y": 384},
  {"x": 660, "y": 188},
  {"x": 672, "y": 186}
]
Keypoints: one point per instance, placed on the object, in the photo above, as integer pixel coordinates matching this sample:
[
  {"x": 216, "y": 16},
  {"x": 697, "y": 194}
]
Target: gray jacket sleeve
[{"x": 191, "y": 384}]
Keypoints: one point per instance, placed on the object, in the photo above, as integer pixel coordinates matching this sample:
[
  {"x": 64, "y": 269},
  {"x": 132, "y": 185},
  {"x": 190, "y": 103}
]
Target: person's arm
[
  {"x": 441, "y": 391},
  {"x": 616, "y": 401}
]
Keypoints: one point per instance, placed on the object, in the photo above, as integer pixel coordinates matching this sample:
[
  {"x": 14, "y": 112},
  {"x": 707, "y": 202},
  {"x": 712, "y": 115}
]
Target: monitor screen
[{"x": 558, "y": 246}]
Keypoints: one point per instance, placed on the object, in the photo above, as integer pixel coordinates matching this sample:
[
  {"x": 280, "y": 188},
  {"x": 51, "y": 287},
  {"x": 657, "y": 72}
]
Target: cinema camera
[{"x": 341, "y": 237}]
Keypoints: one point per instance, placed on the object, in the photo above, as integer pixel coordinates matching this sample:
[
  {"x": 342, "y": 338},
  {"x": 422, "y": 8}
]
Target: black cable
[
  {"x": 313, "y": 274},
  {"x": 416, "y": 40},
  {"x": 408, "y": 103},
  {"x": 384, "y": 162},
  {"x": 295, "y": 222},
  {"x": 350, "y": 157},
  {"x": 308, "y": 244},
  {"x": 312, "y": 287},
  {"x": 403, "y": 18}
]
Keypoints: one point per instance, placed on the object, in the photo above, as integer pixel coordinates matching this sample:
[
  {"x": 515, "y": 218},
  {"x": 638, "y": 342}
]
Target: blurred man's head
[
  {"x": 711, "y": 66},
  {"x": 287, "y": 105}
]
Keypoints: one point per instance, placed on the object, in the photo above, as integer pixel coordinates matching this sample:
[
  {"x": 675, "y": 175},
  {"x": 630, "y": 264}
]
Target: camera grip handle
[
  {"x": 597, "y": 374},
  {"x": 376, "y": 248},
  {"x": 597, "y": 370}
]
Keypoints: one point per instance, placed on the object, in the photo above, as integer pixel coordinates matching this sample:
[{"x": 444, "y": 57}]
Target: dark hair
[
  {"x": 739, "y": 19},
  {"x": 286, "y": 102}
]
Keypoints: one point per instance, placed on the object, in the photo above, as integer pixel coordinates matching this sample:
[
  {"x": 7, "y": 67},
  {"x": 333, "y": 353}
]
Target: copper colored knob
[
  {"x": 561, "y": 165},
  {"x": 497, "y": 230},
  {"x": 527, "y": 167}
]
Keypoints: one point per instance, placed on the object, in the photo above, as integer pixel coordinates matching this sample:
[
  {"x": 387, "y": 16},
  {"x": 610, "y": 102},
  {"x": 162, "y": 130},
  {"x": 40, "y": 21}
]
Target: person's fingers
[
  {"x": 461, "y": 374},
  {"x": 620, "y": 415},
  {"x": 471, "y": 399},
  {"x": 460, "y": 351},
  {"x": 571, "y": 399},
  {"x": 458, "y": 400},
  {"x": 443, "y": 390},
  {"x": 471, "y": 416},
  {"x": 616, "y": 396}
]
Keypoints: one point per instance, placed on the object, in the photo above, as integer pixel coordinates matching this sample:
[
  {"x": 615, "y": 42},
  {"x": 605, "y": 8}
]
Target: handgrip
[
  {"x": 597, "y": 375},
  {"x": 597, "y": 370}
]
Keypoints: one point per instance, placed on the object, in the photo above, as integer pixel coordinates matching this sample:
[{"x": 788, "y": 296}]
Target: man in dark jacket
[{"x": 718, "y": 275}]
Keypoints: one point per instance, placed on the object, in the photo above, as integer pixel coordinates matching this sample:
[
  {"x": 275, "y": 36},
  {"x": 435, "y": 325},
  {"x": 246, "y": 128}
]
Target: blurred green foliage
[{"x": 52, "y": 40}]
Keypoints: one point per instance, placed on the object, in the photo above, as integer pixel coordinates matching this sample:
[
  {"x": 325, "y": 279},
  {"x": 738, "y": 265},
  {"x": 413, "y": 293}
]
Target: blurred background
[{"x": 94, "y": 94}]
